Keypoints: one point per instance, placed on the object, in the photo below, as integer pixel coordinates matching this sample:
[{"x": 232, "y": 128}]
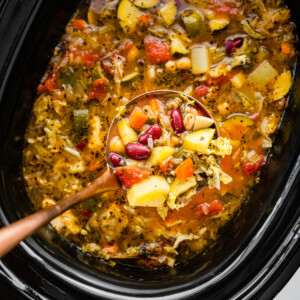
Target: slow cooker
[{"x": 254, "y": 258}]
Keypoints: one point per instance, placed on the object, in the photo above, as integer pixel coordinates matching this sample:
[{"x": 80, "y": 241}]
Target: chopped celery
[
  {"x": 80, "y": 120},
  {"x": 97, "y": 73},
  {"x": 67, "y": 76},
  {"x": 200, "y": 59},
  {"x": 129, "y": 77}
]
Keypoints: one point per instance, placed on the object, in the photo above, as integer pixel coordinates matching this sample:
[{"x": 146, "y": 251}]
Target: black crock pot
[{"x": 255, "y": 257}]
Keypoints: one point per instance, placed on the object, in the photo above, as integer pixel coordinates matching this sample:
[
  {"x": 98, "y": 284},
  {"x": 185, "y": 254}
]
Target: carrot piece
[
  {"x": 138, "y": 118},
  {"x": 285, "y": 48},
  {"x": 185, "y": 169},
  {"x": 111, "y": 249},
  {"x": 79, "y": 24},
  {"x": 154, "y": 105}
]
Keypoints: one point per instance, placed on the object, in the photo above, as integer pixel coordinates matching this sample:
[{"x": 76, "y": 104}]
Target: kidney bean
[
  {"x": 231, "y": 45},
  {"x": 137, "y": 151},
  {"x": 86, "y": 213},
  {"x": 176, "y": 121},
  {"x": 153, "y": 132},
  {"x": 238, "y": 42},
  {"x": 116, "y": 160}
]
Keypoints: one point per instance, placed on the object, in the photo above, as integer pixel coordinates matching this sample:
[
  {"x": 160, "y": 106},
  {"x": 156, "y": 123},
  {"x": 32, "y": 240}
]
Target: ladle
[{"x": 12, "y": 234}]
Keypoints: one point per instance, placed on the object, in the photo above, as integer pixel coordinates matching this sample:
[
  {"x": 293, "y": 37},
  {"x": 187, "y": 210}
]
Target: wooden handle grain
[{"x": 12, "y": 234}]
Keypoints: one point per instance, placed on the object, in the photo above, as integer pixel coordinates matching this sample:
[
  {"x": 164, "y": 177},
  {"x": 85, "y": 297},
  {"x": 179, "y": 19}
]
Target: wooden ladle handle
[{"x": 12, "y": 234}]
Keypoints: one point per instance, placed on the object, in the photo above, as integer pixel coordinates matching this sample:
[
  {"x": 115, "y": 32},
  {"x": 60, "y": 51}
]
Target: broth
[{"x": 236, "y": 57}]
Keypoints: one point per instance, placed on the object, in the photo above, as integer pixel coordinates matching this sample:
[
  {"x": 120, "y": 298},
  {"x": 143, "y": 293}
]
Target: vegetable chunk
[
  {"x": 146, "y": 3},
  {"x": 157, "y": 51},
  {"x": 202, "y": 122},
  {"x": 128, "y": 15},
  {"x": 180, "y": 186},
  {"x": 151, "y": 192},
  {"x": 200, "y": 59},
  {"x": 198, "y": 141},
  {"x": 159, "y": 154},
  {"x": 127, "y": 134},
  {"x": 262, "y": 75},
  {"x": 168, "y": 12},
  {"x": 218, "y": 24},
  {"x": 282, "y": 85}
]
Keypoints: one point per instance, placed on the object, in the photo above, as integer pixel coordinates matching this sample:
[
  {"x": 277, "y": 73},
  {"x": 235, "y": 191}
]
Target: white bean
[{"x": 183, "y": 63}]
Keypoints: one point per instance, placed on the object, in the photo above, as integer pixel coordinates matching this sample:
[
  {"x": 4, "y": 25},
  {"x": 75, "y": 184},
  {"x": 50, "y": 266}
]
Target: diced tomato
[
  {"x": 254, "y": 116},
  {"x": 50, "y": 84},
  {"x": 109, "y": 63},
  {"x": 185, "y": 169},
  {"x": 206, "y": 209},
  {"x": 98, "y": 89},
  {"x": 86, "y": 213},
  {"x": 127, "y": 45},
  {"x": 90, "y": 58},
  {"x": 111, "y": 249},
  {"x": 202, "y": 210},
  {"x": 138, "y": 118},
  {"x": 201, "y": 91},
  {"x": 249, "y": 168},
  {"x": 81, "y": 145},
  {"x": 168, "y": 166},
  {"x": 259, "y": 163},
  {"x": 131, "y": 175},
  {"x": 225, "y": 7},
  {"x": 219, "y": 80},
  {"x": 150, "y": 263},
  {"x": 79, "y": 24},
  {"x": 157, "y": 50},
  {"x": 86, "y": 57},
  {"x": 215, "y": 206},
  {"x": 146, "y": 19}
]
